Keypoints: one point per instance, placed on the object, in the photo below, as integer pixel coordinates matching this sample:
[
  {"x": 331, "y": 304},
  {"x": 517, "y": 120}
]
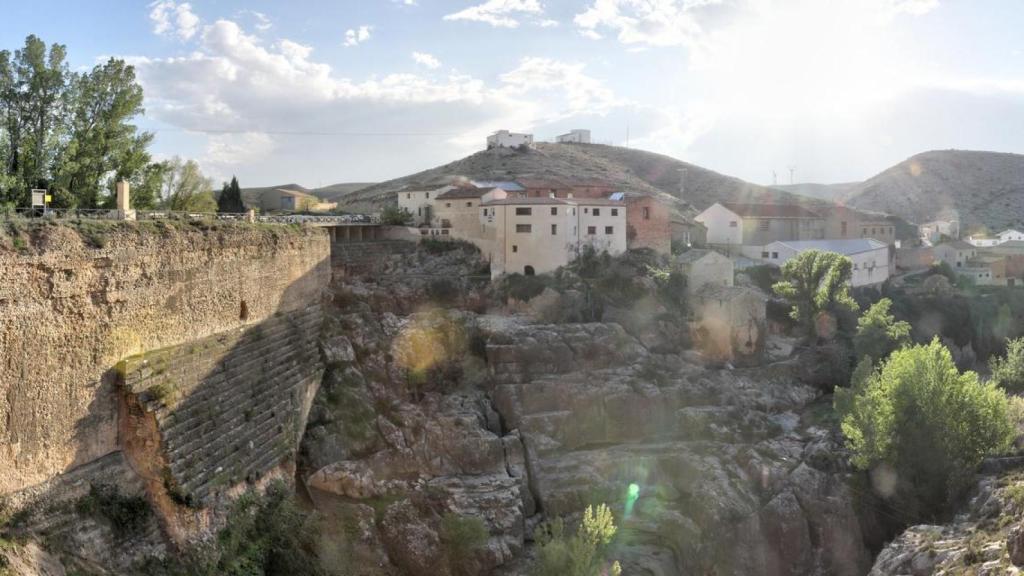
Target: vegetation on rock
[
  {"x": 581, "y": 554},
  {"x": 1008, "y": 370},
  {"x": 923, "y": 426},
  {"x": 462, "y": 536},
  {"x": 395, "y": 216},
  {"x": 879, "y": 333}
]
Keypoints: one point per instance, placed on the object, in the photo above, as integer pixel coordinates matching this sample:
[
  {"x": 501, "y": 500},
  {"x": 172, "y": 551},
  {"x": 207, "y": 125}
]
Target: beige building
[
  {"x": 844, "y": 223},
  {"x": 955, "y": 253},
  {"x": 287, "y": 200},
  {"x": 729, "y": 323},
  {"x": 458, "y": 210},
  {"x": 734, "y": 225},
  {"x": 703, "y": 267},
  {"x": 420, "y": 203},
  {"x": 537, "y": 235}
]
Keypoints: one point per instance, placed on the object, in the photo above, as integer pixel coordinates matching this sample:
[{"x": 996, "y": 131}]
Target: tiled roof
[
  {"x": 464, "y": 192},
  {"x": 529, "y": 201},
  {"x": 692, "y": 255},
  {"x": 770, "y": 210},
  {"x": 958, "y": 245}
]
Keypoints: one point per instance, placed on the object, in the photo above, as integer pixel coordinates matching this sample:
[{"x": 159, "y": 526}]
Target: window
[
  {"x": 447, "y": 204},
  {"x": 609, "y": 229},
  {"x": 775, "y": 255},
  {"x": 523, "y": 228},
  {"x": 762, "y": 225},
  {"x": 573, "y": 211},
  {"x": 419, "y": 211},
  {"x": 764, "y": 255},
  {"x": 515, "y": 248},
  {"x": 408, "y": 196},
  {"x": 428, "y": 195},
  {"x": 597, "y": 211},
  {"x": 647, "y": 213},
  {"x": 554, "y": 229},
  {"x": 469, "y": 204},
  {"x": 586, "y": 210},
  {"x": 554, "y": 211},
  {"x": 842, "y": 228},
  {"x": 732, "y": 224},
  {"x": 855, "y": 266},
  {"x": 528, "y": 270},
  {"x": 865, "y": 232},
  {"x": 615, "y": 211},
  {"x": 591, "y": 230},
  {"x": 524, "y": 211}
]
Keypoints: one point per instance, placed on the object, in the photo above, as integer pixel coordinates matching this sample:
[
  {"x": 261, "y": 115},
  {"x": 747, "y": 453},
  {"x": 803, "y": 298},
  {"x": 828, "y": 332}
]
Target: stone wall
[
  {"x": 228, "y": 408},
  {"x": 73, "y": 303}
]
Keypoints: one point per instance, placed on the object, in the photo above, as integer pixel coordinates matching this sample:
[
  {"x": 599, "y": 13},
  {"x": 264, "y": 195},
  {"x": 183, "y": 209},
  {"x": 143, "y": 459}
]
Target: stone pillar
[
  {"x": 251, "y": 216},
  {"x": 124, "y": 209}
]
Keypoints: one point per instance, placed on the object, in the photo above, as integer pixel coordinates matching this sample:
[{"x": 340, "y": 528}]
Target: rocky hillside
[
  {"x": 983, "y": 189},
  {"x": 627, "y": 168}
]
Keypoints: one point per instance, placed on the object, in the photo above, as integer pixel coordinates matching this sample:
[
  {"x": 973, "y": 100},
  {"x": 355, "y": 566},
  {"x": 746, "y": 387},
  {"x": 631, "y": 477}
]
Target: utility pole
[
  {"x": 792, "y": 171},
  {"x": 682, "y": 183},
  {"x": 775, "y": 178}
]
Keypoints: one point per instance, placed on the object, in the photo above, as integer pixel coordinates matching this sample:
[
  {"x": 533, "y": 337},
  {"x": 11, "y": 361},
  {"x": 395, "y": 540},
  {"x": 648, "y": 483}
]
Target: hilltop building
[
  {"x": 935, "y": 230},
  {"x": 577, "y": 136},
  {"x": 870, "y": 257},
  {"x": 506, "y": 139}
]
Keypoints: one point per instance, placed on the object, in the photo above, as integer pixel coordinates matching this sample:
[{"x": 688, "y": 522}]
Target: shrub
[
  {"x": 395, "y": 216},
  {"x": 127, "y": 515},
  {"x": 931, "y": 424},
  {"x": 582, "y": 554},
  {"x": 764, "y": 276},
  {"x": 522, "y": 288},
  {"x": 879, "y": 333},
  {"x": 1008, "y": 371},
  {"x": 462, "y": 536}
]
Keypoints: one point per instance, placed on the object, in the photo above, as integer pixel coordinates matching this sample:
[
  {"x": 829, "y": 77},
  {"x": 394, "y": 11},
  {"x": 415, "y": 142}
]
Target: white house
[
  {"x": 420, "y": 203},
  {"x": 980, "y": 241},
  {"x": 870, "y": 257},
  {"x": 955, "y": 253},
  {"x": 506, "y": 139},
  {"x": 1010, "y": 234},
  {"x": 537, "y": 235},
  {"x": 933, "y": 231},
  {"x": 576, "y": 136},
  {"x": 703, "y": 267}
]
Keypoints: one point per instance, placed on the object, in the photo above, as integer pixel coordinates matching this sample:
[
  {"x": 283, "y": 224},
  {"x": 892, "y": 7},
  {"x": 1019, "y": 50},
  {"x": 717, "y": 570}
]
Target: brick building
[{"x": 648, "y": 223}]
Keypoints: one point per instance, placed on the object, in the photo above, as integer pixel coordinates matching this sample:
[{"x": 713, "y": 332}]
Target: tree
[
  {"x": 878, "y": 332},
  {"x": 582, "y": 554},
  {"x": 926, "y": 423},
  {"x": 230, "y": 200},
  {"x": 1008, "y": 371},
  {"x": 185, "y": 189},
  {"x": 815, "y": 282},
  {"x": 395, "y": 216}
]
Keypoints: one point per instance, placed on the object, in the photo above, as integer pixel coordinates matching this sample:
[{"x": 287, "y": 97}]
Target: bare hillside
[
  {"x": 983, "y": 189},
  {"x": 827, "y": 192},
  {"x": 627, "y": 168}
]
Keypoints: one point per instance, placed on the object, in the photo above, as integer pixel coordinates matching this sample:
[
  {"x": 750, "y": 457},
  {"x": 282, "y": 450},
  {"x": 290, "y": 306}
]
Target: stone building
[
  {"x": 576, "y": 136},
  {"x": 703, "y": 267},
  {"x": 956, "y": 253},
  {"x": 842, "y": 223},
  {"x": 648, "y": 223},
  {"x": 729, "y": 323},
  {"x": 506, "y": 139},
  {"x": 734, "y": 225}
]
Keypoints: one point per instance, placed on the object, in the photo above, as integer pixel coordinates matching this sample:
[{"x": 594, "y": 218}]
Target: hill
[
  {"x": 983, "y": 189},
  {"x": 335, "y": 192},
  {"x": 627, "y": 168},
  {"x": 826, "y": 192},
  {"x": 251, "y": 195}
]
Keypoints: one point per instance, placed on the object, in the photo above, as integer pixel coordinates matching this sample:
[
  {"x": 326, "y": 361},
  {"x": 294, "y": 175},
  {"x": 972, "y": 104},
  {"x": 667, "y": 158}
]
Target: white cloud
[
  {"x": 169, "y": 17},
  {"x": 428, "y": 60},
  {"x": 499, "y": 13},
  {"x": 652, "y": 22},
  {"x": 356, "y": 36},
  {"x": 567, "y": 89},
  {"x": 548, "y": 23},
  {"x": 263, "y": 23},
  {"x": 406, "y": 2}
]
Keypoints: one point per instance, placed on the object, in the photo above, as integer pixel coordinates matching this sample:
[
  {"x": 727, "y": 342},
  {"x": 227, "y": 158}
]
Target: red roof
[{"x": 770, "y": 210}]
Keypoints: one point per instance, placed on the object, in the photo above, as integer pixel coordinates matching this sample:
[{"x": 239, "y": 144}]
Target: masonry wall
[
  {"x": 647, "y": 222},
  {"x": 74, "y": 304}
]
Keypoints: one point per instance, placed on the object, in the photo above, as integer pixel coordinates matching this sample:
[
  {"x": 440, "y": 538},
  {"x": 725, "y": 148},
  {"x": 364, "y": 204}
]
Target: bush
[
  {"x": 462, "y": 536},
  {"x": 764, "y": 276},
  {"x": 1008, "y": 371},
  {"x": 878, "y": 332},
  {"x": 522, "y": 288},
  {"x": 127, "y": 515},
  {"x": 395, "y": 216},
  {"x": 582, "y": 554},
  {"x": 930, "y": 424}
]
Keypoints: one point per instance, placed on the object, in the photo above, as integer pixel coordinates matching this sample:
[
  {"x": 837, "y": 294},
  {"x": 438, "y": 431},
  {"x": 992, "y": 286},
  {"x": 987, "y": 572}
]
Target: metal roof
[
  {"x": 770, "y": 210},
  {"x": 846, "y": 247},
  {"x": 507, "y": 186}
]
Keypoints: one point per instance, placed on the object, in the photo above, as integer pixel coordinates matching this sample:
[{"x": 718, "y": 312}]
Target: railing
[{"x": 175, "y": 215}]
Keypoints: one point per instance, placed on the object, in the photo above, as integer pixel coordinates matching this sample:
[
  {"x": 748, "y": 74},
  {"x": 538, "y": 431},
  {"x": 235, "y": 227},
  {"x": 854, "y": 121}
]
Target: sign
[
  {"x": 38, "y": 198},
  {"x": 49, "y": 198}
]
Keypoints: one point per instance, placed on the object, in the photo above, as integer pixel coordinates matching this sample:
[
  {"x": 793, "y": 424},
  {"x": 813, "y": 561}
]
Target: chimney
[{"x": 551, "y": 194}]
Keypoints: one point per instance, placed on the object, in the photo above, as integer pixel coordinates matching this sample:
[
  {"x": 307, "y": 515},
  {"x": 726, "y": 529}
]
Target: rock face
[{"x": 985, "y": 537}]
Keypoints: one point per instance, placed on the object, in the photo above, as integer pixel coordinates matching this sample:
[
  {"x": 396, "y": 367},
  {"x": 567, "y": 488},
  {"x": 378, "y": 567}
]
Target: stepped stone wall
[
  {"x": 228, "y": 408},
  {"x": 74, "y": 303}
]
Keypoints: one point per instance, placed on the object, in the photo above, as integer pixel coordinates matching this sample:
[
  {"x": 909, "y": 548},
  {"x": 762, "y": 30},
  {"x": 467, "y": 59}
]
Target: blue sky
[{"x": 324, "y": 92}]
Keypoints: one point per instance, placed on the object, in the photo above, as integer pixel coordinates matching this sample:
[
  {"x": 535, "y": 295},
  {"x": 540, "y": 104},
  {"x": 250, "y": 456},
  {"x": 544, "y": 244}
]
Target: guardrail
[{"x": 174, "y": 215}]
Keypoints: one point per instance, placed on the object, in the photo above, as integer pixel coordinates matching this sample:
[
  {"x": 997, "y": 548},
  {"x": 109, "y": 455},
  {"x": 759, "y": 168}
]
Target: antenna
[
  {"x": 792, "y": 171},
  {"x": 775, "y": 178}
]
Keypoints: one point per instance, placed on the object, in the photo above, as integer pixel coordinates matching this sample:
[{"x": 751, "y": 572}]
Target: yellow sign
[{"x": 49, "y": 198}]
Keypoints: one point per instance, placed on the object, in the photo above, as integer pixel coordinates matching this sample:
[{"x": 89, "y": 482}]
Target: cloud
[
  {"x": 428, "y": 60},
  {"x": 548, "y": 23},
  {"x": 263, "y": 23},
  {"x": 499, "y": 13},
  {"x": 567, "y": 90},
  {"x": 356, "y": 36},
  {"x": 171, "y": 18},
  {"x": 651, "y": 22}
]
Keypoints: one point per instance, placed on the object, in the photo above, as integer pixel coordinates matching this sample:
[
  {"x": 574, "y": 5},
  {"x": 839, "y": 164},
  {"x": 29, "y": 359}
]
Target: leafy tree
[
  {"x": 1008, "y": 371},
  {"x": 879, "y": 333},
  {"x": 814, "y": 282},
  {"x": 582, "y": 554},
  {"x": 230, "y": 199},
  {"x": 395, "y": 216},
  {"x": 185, "y": 189},
  {"x": 927, "y": 423}
]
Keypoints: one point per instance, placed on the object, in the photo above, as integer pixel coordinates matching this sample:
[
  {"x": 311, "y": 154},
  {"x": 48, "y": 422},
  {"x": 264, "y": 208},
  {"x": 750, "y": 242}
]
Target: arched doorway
[{"x": 528, "y": 270}]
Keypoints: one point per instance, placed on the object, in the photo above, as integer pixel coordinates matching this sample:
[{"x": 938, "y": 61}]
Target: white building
[
  {"x": 537, "y": 235},
  {"x": 1010, "y": 234},
  {"x": 983, "y": 241},
  {"x": 420, "y": 203},
  {"x": 955, "y": 253},
  {"x": 870, "y": 257},
  {"x": 576, "y": 136},
  {"x": 734, "y": 225},
  {"x": 506, "y": 139}
]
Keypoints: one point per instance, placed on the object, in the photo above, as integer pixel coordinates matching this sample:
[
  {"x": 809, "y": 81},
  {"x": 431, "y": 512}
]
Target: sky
[{"x": 320, "y": 92}]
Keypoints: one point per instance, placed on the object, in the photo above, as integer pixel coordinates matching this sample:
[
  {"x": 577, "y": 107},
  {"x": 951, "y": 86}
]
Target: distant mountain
[
  {"x": 982, "y": 189},
  {"x": 689, "y": 188},
  {"x": 335, "y": 192},
  {"x": 827, "y": 192},
  {"x": 252, "y": 195}
]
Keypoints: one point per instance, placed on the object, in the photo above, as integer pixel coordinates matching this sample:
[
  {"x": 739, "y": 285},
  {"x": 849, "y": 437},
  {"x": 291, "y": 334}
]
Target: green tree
[
  {"x": 920, "y": 418},
  {"x": 395, "y": 216},
  {"x": 230, "y": 200},
  {"x": 185, "y": 189},
  {"x": 814, "y": 282},
  {"x": 879, "y": 333},
  {"x": 582, "y": 554},
  {"x": 1008, "y": 370}
]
